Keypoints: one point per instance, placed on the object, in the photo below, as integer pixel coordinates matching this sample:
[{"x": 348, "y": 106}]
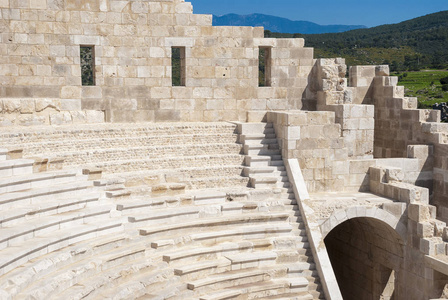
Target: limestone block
[
  {"x": 94, "y": 116},
  {"x": 185, "y": 104},
  {"x": 61, "y": 118},
  {"x": 11, "y": 105},
  {"x": 382, "y": 70},
  {"x": 292, "y": 133},
  {"x": 184, "y": 8},
  {"x": 419, "y": 213},
  {"x": 394, "y": 175},
  {"x": 139, "y": 7},
  {"x": 340, "y": 168},
  {"x": 161, "y": 92},
  {"x": 32, "y": 120},
  {"x": 27, "y": 106},
  {"x": 78, "y": 117},
  {"x": 203, "y": 92},
  {"x": 4, "y": 3},
  {"x": 70, "y": 104}
]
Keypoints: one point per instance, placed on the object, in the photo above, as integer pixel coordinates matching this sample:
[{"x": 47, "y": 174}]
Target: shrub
[
  {"x": 444, "y": 80},
  {"x": 445, "y": 87}
]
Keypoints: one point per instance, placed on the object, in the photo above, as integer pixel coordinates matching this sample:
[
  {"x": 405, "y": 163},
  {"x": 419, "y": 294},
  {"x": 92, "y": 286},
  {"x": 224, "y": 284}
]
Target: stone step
[
  {"x": 13, "y": 257},
  {"x": 219, "y": 250},
  {"x": 268, "y": 150},
  {"x": 267, "y": 170},
  {"x": 29, "y": 181},
  {"x": 247, "y": 232},
  {"x": 107, "y": 282},
  {"x": 89, "y": 157},
  {"x": 258, "y": 140},
  {"x": 166, "y": 215},
  {"x": 250, "y": 260},
  {"x": 233, "y": 278},
  {"x": 127, "y": 259},
  {"x": 258, "y": 290},
  {"x": 17, "y": 235},
  {"x": 33, "y": 272},
  {"x": 209, "y": 197},
  {"x": 16, "y": 167},
  {"x": 3, "y": 154},
  {"x": 201, "y": 266},
  {"x": 111, "y": 130},
  {"x": 215, "y": 182},
  {"x": 224, "y": 221},
  {"x": 263, "y": 161},
  {"x": 25, "y": 212},
  {"x": 97, "y": 143},
  {"x": 34, "y": 196},
  {"x": 172, "y": 163},
  {"x": 136, "y": 205}
]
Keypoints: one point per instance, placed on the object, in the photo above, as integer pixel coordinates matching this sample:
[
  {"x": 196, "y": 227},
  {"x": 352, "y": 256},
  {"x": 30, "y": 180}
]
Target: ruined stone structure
[{"x": 310, "y": 185}]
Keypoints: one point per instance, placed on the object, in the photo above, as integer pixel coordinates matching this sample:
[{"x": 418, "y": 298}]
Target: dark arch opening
[{"x": 367, "y": 259}]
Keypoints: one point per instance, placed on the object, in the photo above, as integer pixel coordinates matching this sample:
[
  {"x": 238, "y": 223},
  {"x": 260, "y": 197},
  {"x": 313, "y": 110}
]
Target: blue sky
[{"x": 327, "y": 12}]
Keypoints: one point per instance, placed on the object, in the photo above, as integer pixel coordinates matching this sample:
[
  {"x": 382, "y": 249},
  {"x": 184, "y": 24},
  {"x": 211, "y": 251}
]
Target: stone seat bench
[
  {"x": 247, "y": 232},
  {"x": 98, "y": 143},
  {"x": 15, "y": 256},
  {"x": 29, "y": 181},
  {"x": 95, "y": 270},
  {"x": 115, "y": 130},
  {"x": 203, "y": 266},
  {"x": 21, "y": 233},
  {"x": 15, "y": 167},
  {"x": 179, "y": 256},
  {"x": 89, "y": 156},
  {"x": 34, "y": 272},
  {"x": 136, "y": 205},
  {"x": 214, "y": 222},
  {"x": 146, "y": 214},
  {"x": 35, "y": 195},
  {"x": 203, "y": 161},
  {"x": 234, "y": 278},
  {"x": 94, "y": 281},
  {"x": 275, "y": 288},
  {"x": 25, "y": 212}
]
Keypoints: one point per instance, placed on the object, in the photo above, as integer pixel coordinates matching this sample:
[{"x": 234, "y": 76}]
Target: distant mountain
[
  {"x": 277, "y": 24},
  {"x": 410, "y": 45}
]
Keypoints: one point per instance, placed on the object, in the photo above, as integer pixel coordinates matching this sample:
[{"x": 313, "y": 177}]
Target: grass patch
[{"x": 425, "y": 85}]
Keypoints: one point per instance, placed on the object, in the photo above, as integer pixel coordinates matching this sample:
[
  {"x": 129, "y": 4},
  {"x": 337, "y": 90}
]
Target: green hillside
[{"x": 411, "y": 45}]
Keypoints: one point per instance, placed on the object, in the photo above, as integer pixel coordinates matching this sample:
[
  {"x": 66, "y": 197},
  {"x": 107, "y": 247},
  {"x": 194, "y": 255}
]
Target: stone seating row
[
  {"x": 16, "y": 167},
  {"x": 89, "y": 156},
  {"x": 112, "y": 130},
  {"x": 43, "y": 146},
  {"x": 201, "y": 237}
]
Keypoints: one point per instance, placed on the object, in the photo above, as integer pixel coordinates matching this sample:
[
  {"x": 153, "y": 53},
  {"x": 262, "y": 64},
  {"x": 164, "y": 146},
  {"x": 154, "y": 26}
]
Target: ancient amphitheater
[{"x": 175, "y": 174}]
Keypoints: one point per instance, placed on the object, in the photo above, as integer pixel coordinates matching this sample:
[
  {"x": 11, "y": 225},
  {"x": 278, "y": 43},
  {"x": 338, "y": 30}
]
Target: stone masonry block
[{"x": 419, "y": 213}]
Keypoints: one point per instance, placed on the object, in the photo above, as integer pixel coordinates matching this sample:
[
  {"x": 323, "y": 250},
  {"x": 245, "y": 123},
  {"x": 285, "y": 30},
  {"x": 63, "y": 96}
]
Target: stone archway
[{"x": 367, "y": 256}]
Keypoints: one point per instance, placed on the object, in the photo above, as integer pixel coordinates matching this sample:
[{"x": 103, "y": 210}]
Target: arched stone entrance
[{"x": 367, "y": 256}]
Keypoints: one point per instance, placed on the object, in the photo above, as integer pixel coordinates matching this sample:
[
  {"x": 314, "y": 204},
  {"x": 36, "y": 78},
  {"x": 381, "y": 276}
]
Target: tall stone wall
[{"x": 40, "y": 74}]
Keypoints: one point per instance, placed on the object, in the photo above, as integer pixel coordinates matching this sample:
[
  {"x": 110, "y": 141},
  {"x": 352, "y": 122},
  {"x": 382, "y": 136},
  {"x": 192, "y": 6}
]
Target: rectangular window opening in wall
[
  {"x": 264, "y": 66},
  {"x": 87, "y": 65},
  {"x": 178, "y": 66}
]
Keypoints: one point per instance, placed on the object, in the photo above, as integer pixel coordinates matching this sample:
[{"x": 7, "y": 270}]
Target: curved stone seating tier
[
  {"x": 65, "y": 237},
  {"x": 199, "y": 155},
  {"x": 195, "y": 246}
]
